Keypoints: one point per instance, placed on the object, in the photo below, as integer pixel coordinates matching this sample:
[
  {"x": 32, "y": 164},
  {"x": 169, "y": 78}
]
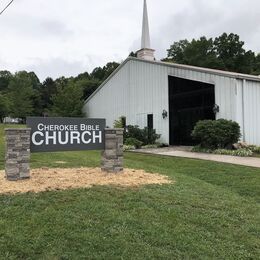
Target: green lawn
[{"x": 211, "y": 212}]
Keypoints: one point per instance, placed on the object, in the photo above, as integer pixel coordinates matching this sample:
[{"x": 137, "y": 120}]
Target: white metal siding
[
  {"x": 140, "y": 88},
  {"x": 112, "y": 100},
  {"x": 252, "y": 112}
]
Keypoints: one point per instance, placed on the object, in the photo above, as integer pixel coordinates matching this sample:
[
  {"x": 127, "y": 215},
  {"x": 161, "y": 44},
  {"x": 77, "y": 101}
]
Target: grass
[{"x": 211, "y": 212}]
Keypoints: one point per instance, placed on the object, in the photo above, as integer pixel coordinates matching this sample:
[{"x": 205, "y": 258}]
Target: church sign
[{"x": 53, "y": 134}]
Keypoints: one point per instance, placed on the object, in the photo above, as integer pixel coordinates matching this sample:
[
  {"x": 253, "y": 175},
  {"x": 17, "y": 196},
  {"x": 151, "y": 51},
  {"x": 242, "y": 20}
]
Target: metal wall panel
[
  {"x": 140, "y": 88},
  {"x": 252, "y": 112}
]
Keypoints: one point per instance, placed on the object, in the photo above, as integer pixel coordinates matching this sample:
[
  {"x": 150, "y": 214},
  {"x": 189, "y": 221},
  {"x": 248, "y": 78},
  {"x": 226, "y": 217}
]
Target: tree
[
  {"x": 35, "y": 80},
  {"x": 176, "y": 51},
  {"x": 233, "y": 56},
  {"x": 132, "y": 54},
  {"x": 20, "y": 94},
  {"x": 197, "y": 53},
  {"x": 225, "y": 52},
  {"x": 68, "y": 101},
  {"x": 256, "y": 66},
  {"x": 4, "y": 107},
  {"x": 88, "y": 86},
  {"x": 48, "y": 89},
  {"x": 103, "y": 73},
  {"x": 5, "y": 77}
]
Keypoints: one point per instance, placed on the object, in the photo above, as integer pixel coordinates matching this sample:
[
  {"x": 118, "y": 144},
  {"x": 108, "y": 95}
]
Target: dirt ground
[{"x": 61, "y": 179}]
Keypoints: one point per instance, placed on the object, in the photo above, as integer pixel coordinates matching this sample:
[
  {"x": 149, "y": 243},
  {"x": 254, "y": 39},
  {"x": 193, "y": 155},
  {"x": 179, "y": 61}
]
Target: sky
[{"x": 57, "y": 38}]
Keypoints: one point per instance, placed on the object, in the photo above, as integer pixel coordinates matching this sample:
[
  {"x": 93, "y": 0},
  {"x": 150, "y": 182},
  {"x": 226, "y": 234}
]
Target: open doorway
[{"x": 189, "y": 102}]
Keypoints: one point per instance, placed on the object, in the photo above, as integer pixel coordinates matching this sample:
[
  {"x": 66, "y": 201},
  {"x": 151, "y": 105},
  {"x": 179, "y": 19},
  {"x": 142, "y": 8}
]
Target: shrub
[
  {"x": 199, "y": 149},
  {"x": 133, "y": 142},
  {"x": 149, "y": 136},
  {"x": 156, "y": 145},
  {"x": 128, "y": 147},
  {"x": 146, "y": 136},
  {"x": 133, "y": 132},
  {"x": 255, "y": 149},
  {"x": 120, "y": 123},
  {"x": 243, "y": 152},
  {"x": 216, "y": 134}
]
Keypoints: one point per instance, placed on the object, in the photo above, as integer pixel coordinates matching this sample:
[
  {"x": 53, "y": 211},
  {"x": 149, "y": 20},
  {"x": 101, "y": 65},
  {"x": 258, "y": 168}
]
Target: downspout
[{"x": 243, "y": 109}]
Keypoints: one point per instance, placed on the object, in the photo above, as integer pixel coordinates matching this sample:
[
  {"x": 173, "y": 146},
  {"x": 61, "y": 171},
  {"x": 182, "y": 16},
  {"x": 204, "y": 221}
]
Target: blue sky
[{"x": 64, "y": 38}]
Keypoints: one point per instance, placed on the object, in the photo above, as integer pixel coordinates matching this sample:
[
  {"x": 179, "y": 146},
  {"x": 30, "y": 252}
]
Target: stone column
[
  {"x": 112, "y": 157},
  {"x": 17, "y": 158}
]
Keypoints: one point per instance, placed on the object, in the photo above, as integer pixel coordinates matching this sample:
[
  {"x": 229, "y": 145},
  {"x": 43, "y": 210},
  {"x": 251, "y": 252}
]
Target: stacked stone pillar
[
  {"x": 17, "y": 164},
  {"x": 112, "y": 156}
]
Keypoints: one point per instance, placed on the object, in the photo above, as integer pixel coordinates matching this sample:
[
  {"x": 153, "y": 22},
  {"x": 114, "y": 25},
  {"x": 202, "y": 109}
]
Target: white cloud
[{"x": 64, "y": 37}]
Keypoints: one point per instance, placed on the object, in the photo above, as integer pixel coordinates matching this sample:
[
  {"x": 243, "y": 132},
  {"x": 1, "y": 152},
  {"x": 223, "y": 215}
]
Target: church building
[{"x": 171, "y": 97}]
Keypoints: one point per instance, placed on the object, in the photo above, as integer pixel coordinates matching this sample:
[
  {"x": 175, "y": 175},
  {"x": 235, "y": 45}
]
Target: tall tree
[
  {"x": 256, "y": 66},
  {"x": 68, "y": 101},
  {"x": 5, "y": 77},
  {"x": 88, "y": 86},
  {"x": 48, "y": 89},
  {"x": 230, "y": 51},
  {"x": 4, "y": 107},
  {"x": 225, "y": 52},
  {"x": 103, "y": 73},
  {"x": 20, "y": 94}
]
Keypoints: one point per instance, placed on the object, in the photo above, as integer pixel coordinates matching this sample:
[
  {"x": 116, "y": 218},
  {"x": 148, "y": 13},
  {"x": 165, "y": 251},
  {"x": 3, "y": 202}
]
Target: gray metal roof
[{"x": 180, "y": 66}]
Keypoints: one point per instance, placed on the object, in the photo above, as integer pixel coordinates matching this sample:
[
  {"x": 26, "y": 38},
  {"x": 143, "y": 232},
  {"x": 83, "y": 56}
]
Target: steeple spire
[
  {"x": 145, "y": 32},
  {"x": 146, "y": 52}
]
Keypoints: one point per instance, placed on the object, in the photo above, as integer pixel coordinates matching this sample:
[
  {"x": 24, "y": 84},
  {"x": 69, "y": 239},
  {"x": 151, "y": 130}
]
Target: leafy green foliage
[
  {"x": 24, "y": 95},
  {"x": 225, "y": 52},
  {"x": 254, "y": 149},
  {"x": 103, "y": 73},
  {"x": 146, "y": 136},
  {"x": 120, "y": 123},
  {"x": 214, "y": 134},
  {"x": 128, "y": 147},
  {"x": 133, "y": 142},
  {"x": 68, "y": 101},
  {"x": 4, "y": 107},
  {"x": 242, "y": 152},
  {"x": 5, "y": 77},
  {"x": 21, "y": 94},
  {"x": 48, "y": 89}
]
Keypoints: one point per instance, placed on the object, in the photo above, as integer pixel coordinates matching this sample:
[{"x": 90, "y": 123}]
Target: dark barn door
[{"x": 189, "y": 102}]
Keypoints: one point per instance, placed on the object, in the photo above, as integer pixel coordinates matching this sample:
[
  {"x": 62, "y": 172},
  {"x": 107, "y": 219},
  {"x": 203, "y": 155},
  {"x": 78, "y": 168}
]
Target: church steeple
[
  {"x": 145, "y": 31},
  {"x": 146, "y": 52}
]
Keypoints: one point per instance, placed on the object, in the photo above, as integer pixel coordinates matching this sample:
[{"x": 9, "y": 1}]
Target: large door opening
[{"x": 189, "y": 102}]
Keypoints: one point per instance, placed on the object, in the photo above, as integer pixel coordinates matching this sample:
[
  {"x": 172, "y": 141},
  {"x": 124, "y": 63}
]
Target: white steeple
[
  {"x": 145, "y": 31},
  {"x": 146, "y": 52}
]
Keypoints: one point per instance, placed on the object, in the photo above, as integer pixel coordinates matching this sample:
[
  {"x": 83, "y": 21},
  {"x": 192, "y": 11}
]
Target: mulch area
[{"x": 47, "y": 179}]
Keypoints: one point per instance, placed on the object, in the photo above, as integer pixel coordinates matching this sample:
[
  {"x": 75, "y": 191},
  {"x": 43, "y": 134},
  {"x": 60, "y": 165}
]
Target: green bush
[
  {"x": 133, "y": 142},
  {"x": 255, "y": 149},
  {"x": 128, "y": 148},
  {"x": 156, "y": 145},
  {"x": 120, "y": 122},
  {"x": 242, "y": 152},
  {"x": 216, "y": 134},
  {"x": 146, "y": 136},
  {"x": 199, "y": 149}
]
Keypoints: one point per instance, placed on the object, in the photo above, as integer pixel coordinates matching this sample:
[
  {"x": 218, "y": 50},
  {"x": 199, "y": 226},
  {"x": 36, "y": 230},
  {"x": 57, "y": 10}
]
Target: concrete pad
[{"x": 186, "y": 153}]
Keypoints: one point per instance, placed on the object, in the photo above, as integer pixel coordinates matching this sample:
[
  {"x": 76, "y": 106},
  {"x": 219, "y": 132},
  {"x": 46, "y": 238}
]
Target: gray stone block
[
  {"x": 17, "y": 164},
  {"x": 112, "y": 161}
]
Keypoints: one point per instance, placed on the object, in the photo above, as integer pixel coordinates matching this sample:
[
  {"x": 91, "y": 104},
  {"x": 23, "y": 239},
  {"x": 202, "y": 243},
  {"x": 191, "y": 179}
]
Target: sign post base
[
  {"x": 17, "y": 159},
  {"x": 112, "y": 156}
]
